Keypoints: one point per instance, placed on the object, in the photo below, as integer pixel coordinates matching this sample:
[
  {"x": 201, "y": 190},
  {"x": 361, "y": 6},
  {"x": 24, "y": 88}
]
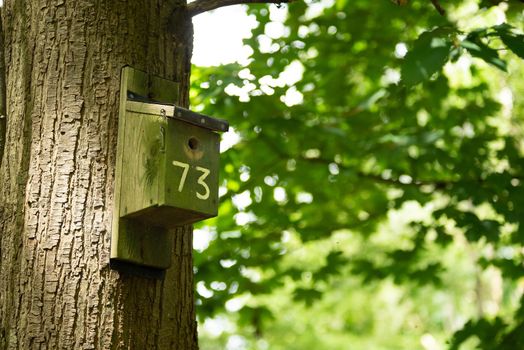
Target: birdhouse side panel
[{"x": 142, "y": 166}]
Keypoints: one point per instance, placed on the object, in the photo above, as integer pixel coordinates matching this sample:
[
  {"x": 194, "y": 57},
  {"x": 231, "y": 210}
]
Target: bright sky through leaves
[{"x": 219, "y": 34}]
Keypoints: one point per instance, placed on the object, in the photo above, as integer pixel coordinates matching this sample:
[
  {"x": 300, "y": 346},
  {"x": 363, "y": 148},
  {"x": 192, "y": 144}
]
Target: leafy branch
[
  {"x": 438, "y": 184},
  {"x": 200, "y": 6},
  {"x": 435, "y": 3},
  {"x": 433, "y": 49}
]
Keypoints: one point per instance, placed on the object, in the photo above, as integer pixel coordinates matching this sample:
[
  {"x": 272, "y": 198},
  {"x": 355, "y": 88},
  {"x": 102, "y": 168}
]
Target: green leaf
[
  {"x": 514, "y": 42},
  {"x": 334, "y": 261},
  {"x": 341, "y": 4},
  {"x": 429, "y": 54},
  {"x": 307, "y": 295},
  {"x": 487, "y": 331},
  {"x": 485, "y": 53}
]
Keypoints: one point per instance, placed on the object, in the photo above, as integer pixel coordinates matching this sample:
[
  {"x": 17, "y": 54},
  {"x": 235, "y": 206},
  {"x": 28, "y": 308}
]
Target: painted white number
[
  {"x": 205, "y": 173},
  {"x": 185, "y": 166}
]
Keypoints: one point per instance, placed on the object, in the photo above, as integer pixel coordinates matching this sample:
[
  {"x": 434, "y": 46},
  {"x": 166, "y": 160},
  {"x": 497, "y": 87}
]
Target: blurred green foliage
[{"x": 374, "y": 197}]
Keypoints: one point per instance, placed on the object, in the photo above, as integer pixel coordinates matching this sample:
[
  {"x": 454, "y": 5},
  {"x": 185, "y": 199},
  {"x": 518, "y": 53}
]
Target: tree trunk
[
  {"x": 57, "y": 289},
  {"x": 2, "y": 92}
]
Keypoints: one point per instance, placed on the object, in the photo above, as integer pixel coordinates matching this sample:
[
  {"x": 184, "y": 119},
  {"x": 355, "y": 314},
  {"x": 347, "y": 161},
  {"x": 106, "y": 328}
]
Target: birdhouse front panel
[
  {"x": 192, "y": 155},
  {"x": 170, "y": 175}
]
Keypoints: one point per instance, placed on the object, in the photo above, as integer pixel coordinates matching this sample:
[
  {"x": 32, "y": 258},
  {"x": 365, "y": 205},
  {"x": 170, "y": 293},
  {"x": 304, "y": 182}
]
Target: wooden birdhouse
[{"x": 166, "y": 172}]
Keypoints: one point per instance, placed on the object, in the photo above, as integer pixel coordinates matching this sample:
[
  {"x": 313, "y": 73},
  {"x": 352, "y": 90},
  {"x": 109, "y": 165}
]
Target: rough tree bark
[
  {"x": 57, "y": 290},
  {"x": 2, "y": 92}
]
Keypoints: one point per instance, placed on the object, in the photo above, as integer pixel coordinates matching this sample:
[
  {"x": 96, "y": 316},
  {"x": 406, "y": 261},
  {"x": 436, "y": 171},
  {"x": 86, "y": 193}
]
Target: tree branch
[
  {"x": 439, "y": 7},
  {"x": 439, "y": 184},
  {"x": 199, "y": 6}
]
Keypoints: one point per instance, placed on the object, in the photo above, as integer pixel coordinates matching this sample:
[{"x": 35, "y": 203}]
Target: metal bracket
[
  {"x": 200, "y": 119},
  {"x": 174, "y": 111}
]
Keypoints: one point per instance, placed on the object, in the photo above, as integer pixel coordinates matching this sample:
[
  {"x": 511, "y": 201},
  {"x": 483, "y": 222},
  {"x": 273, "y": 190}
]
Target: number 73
[{"x": 205, "y": 172}]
